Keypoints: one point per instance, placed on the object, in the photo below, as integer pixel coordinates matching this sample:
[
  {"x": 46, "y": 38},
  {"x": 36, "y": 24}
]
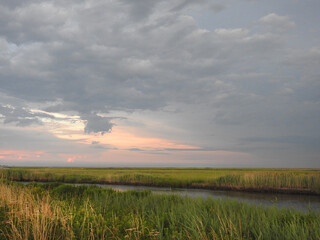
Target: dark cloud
[
  {"x": 140, "y": 9},
  {"x": 20, "y": 116},
  {"x": 97, "y": 124},
  {"x": 217, "y": 7}
]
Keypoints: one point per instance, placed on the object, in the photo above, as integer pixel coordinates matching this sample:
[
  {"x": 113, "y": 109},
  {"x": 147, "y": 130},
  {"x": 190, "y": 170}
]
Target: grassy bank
[
  {"x": 57, "y": 211},
  {"x": 305, "y": 181}
]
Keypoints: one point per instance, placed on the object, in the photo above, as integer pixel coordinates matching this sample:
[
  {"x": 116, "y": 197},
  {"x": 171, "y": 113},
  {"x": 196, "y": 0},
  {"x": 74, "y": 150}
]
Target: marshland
[{"x": 55, "y": 210}]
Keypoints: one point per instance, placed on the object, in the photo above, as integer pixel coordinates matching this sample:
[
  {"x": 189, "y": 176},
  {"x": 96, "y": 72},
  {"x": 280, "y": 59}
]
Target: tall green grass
[
  {"x": 57, "y": 211},
  {"x": 272, "y": 180}
]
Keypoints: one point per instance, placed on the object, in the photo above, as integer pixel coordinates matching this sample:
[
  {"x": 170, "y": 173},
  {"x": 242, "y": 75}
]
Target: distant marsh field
[{"x": 305, "y": 181}]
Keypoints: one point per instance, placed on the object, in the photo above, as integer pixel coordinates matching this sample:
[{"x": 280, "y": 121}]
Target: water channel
[{"x": 302, "y": 203}]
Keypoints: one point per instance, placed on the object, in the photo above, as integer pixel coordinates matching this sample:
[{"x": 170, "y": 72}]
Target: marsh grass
[
  {"x": 28, "y": 216},
  {"x": 57, "y": 211},
  {"x": 270, "y": 180},
  {"x": 273, "y": 180}
]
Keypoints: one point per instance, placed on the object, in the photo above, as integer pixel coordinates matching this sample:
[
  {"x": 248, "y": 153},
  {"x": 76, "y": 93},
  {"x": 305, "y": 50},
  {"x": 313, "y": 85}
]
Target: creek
[{"x": 298, "y": 202}]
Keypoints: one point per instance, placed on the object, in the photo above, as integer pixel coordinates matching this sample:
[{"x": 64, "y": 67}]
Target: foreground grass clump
[
  {"x": 58, "y": 211},
  {"x": 269, "y": 180},
  {"x": 24, "y": 215}
]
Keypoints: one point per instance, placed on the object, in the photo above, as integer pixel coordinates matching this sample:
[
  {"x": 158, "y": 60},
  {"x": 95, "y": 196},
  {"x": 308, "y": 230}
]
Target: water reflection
[
  {"x": 294, "y": 201},
  {"x": 302, "y": 203}
]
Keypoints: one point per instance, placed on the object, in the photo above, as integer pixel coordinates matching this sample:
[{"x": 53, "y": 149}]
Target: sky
[{"x": 179, "y": 83}]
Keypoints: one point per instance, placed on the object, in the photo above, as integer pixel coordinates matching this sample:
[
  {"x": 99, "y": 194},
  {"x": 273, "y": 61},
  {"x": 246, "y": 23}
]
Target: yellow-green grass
[
  {"x": 57, "y": 211},
  {"x": 268, "y": 180}
]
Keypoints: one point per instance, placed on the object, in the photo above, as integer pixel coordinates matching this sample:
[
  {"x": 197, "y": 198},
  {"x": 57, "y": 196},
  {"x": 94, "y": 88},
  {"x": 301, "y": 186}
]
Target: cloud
[
  {"x": 306, "y": 141},
  {"x": 217, "y": 7},
  {"x": 35, "y": 139},
  {"x": 274, "y": 22},
  {"x": 97, "y": 124},
  {"x": 20, "y": 116},
  {"x": 139, "y": 9},
  {"x": 135, "y": 149}
]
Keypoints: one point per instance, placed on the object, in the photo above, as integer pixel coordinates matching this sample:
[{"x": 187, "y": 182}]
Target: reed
[
  {"x": 270, "y": 180},
  {"x": 27, "y": 216}
]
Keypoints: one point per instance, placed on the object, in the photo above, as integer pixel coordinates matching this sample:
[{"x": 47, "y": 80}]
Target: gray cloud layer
[{"x": 94, "y": 57}]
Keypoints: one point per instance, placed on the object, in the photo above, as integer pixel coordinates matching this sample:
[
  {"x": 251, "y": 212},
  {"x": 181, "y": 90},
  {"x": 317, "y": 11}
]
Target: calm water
[{"x": 297, "y": 202}]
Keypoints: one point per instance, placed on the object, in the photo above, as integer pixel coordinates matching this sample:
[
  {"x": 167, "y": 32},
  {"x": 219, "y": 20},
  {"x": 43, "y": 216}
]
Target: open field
[
  {"x": 306, "y": 181},
  {"x": 57, "y": 211}
]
